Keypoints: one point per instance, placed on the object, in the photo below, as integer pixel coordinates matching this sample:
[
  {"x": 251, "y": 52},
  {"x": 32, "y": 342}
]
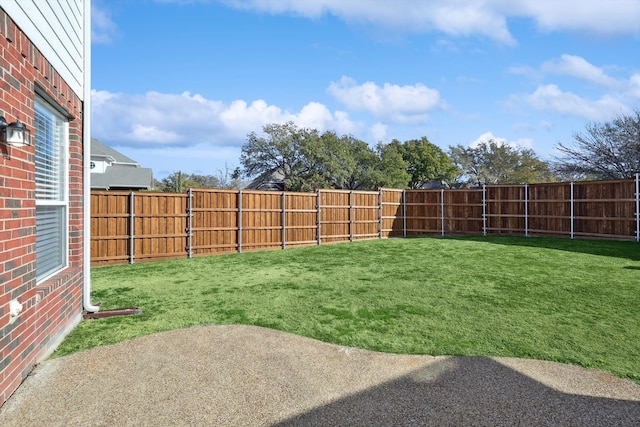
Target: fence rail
[{"x": 128, "y": 227}]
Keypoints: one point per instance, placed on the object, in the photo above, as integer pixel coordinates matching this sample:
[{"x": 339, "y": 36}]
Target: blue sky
[{"x": 178, "y": 84}]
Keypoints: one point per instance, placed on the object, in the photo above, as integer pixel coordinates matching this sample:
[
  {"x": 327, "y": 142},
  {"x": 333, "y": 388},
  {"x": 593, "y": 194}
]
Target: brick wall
[{"x": 51, "y": 308}]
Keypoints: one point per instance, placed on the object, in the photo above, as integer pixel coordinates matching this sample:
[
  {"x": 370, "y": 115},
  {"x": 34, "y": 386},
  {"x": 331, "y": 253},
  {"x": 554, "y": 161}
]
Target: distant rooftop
[{"x": 122, "y": 172}]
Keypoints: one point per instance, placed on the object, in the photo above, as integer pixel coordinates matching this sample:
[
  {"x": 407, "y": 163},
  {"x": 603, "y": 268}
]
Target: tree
[
  {"x": 308, "y": 160},
  {"x": 392, "y": 168},
  {"x": 177, "y": 182},
  {"x": 229, "y": 179},
  {"x": 498, "y": 163},
  {"x": 344, "y": 162},
  {"x": 413, "y": 164},
  {"x": 203, "y": 181},
  {"x": 361, "y": 175},
  {"x": 280, "y": 150},
  {"x": 609, "y": 150},
  {"x": 426, "y": 162}
]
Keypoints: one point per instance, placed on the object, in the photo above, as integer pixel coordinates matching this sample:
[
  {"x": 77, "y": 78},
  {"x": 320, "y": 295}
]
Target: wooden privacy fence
[{"x": 132, "y": 227}]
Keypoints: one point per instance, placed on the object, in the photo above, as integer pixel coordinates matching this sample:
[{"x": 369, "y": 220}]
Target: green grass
[{"x": 571, "y": 301}]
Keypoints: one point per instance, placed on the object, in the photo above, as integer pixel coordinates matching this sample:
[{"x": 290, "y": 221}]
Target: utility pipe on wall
[{"x": 86, "y": 178}]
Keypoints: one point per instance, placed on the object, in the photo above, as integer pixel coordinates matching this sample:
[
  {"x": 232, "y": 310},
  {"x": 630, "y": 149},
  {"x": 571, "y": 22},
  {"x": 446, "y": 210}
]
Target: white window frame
[{"x": 58, "y": 196}]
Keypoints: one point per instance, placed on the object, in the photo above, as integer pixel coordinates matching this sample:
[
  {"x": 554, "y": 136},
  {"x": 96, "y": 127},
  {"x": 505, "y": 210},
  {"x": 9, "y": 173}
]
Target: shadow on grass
[{"x": 610, "y": 248}]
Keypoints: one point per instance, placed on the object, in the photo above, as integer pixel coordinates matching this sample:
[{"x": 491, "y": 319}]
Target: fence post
[
  {"x": 380, "y": 196},
  {"x": 526, "y": 210},
  {"x": 239, "y": 221},
  {"x": 132, "y": 232},
  {"x": 404, "y": 213},
  {"x": 190, "y": 224},
  {"x": 318, "y": 200},
  {"x": 484, "y": 210},
  {"x": 637, "y": 207},
  {"x": 571, "y": 209},
  {"x": 351, "y": 215},
  {"x": 442, "y": 210},
  {"x": 284, "y": 220}
]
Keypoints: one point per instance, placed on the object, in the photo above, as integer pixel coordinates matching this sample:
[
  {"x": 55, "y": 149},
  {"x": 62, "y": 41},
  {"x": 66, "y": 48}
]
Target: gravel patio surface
[{"x": 250, "y": 376}]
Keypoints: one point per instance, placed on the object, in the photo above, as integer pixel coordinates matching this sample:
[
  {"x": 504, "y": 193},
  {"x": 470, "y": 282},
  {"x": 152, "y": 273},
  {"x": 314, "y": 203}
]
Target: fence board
[
  {"x": 463, "y": 212},
  {"x": 133, "y": 227},
  {"x": 392, "y": 212},
  {"x": 505, "y": 209},
  {"x": 301, "y": 219},
  {"x": 110, "y": 227}
]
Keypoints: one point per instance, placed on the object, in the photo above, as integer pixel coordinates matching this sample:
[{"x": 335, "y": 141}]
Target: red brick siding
[{"x": 51, "y": 308}]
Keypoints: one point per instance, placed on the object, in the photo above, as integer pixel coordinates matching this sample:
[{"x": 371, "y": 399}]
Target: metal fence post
[
  {"x": 190, "y": 224},
  {"x": 638, "y": 207},
  {"x": 404, "y": 213},
  {"x": 526, "y": 210},
  {"x": 442, "y": 210},
  {"x": 571, "y": 209},
  {"x": 484, "y": 210},
  {"x": 351, "y": 215},
  {"x": 132, "y": 225},
  {"x": 318, "y": 201},
  {"x": 380, "y": 196},
  {"x": 239, "y": 221},
  {"x": 284, "y": 220}
]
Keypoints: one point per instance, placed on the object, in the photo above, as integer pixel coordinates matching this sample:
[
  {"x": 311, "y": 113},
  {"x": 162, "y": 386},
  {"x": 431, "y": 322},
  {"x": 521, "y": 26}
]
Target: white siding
[{"x": 57, "y": 29}]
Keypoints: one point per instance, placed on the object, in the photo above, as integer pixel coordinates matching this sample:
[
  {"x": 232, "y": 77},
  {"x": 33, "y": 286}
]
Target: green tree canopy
[
  {"x": 426, "y": 162},
  {"x": 392, "y": 168},
  {"x": 498, "y": 163},
  {"x": 308, "y": 160},
  {"x": 284, "y": 149},
  {"x": 347, "y": 162},
  {"x": 179, "y": 182}
]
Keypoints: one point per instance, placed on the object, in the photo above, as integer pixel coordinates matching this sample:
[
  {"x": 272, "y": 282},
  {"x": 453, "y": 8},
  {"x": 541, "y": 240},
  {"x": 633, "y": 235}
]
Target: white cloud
[
  {"x": 634, "y": 86},
  {"x": 103, "y": 29},
  {"x": 156, "y": 119},
  {"x": 402, "y": 104},
  {"x": 577, "y": 66},
  {"x": 615, "y": 17},
  {"x": 616, "y": 95},
  {"x": 547, "y": 125},
  {"x": 489, "y": 136},
  {"x": 456, "y": 18},
  {"x": 466, "y": 17},
  {"x": 243, "y": 118},
  {"x": 551, "y": 98},
  {"x": 379, "y": 132},
  {"x": 317, "y": 116}
]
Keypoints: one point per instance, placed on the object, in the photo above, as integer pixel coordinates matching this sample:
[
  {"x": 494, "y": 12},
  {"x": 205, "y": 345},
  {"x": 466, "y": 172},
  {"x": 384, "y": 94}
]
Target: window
[{"x": 51, "y": 149}]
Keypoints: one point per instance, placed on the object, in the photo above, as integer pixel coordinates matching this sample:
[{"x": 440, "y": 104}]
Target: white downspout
[{"x": 86, "y": 142}]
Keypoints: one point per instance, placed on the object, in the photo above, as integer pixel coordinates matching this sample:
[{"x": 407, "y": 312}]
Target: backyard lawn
[{"x": 571, "y": 301}]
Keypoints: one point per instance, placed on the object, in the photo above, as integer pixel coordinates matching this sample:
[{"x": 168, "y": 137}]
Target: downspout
[{"x": 86, "y": 142}]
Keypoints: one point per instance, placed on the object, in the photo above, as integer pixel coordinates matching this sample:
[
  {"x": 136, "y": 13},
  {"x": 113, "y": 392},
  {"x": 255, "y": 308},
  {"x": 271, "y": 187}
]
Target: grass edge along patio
[{"x": 566, "y": 300}]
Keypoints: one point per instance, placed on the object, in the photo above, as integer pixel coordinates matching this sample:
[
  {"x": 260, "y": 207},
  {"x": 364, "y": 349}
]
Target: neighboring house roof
[
  {"x": 122, "y": 172},
  {"x": 272, "y": 180},
  {"x": 98, "y": 149}
]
